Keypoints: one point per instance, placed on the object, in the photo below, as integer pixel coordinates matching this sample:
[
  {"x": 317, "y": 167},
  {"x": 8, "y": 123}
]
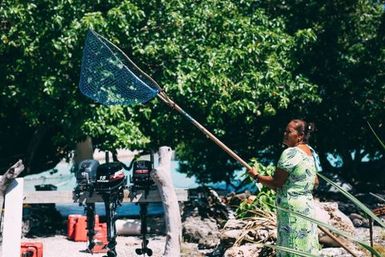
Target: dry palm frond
[{"x": 260, "y": 228}]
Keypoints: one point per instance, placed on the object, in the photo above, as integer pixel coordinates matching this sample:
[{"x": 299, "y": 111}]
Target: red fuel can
[
  {"x": 77, "y": 227},
  {"x": 71, "y": 222},
  {"x": 31, "y": 249}
]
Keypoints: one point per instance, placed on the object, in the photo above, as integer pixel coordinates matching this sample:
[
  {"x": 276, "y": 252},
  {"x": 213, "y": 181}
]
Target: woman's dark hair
[{"x": 304, "y": 128}]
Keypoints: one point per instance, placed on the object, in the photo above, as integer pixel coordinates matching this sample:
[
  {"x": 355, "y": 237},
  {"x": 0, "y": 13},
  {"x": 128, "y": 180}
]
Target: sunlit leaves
[
  {"x": 114, "y": 128},
  {"x": 226, "y": 64},
  {"x": 234, "y": 66}
]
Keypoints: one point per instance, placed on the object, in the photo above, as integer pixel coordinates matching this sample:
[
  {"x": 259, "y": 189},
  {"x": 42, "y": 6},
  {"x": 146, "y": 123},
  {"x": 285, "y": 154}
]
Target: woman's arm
[
  {"x": 316, "y": 182},
  {"x": 274, "y": 182}
]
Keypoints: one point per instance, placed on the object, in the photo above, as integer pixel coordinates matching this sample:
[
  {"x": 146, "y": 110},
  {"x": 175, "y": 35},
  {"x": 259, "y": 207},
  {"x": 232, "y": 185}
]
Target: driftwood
[
  {"x": 162, "y": 177},
  {"x": 5, "y": 180},
  {"x": 10, "y": 174},
  {"x": 11, "y": 190},
  {"x": 12, "y": 221}
]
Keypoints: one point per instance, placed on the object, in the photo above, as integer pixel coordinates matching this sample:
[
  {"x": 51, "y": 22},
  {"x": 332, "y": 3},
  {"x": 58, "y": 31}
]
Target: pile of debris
[{"x": 210, "y": 224}]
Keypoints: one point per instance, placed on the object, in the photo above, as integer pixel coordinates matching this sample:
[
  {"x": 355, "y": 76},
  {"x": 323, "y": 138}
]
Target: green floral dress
[{"x": 296, "y": 194}]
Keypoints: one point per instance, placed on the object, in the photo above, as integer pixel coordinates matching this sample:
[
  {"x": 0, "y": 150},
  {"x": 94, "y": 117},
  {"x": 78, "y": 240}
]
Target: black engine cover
[{"x": 109, "y": 176}]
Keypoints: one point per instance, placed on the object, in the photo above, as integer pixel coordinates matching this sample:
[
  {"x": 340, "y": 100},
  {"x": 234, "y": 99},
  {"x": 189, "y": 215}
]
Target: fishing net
[{"x": 109, "y": 77}]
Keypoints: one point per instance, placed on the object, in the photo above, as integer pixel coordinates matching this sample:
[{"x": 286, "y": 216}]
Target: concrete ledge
[{"x": 45, "y": 197}]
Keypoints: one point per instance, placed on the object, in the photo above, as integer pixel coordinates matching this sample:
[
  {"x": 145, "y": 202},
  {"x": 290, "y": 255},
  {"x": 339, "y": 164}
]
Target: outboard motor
[
  {"x": 110, "y": 177},
  {"x": 141, "y": 175},
  {"x": 109, "y": 181},
  {"x": 141, "y": 181},
  {"x": 110, "y": 184},
  {"x": 86, "y": 179}
]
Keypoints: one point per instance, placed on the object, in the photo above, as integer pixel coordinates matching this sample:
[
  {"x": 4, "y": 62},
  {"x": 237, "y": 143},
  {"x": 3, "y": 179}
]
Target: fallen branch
[
  {"x": 10, "y": 174},
  {"x": 339, "y": 242}
]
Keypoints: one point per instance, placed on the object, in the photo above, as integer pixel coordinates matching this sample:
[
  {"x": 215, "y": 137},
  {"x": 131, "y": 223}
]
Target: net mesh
[{"x": 109, "y": 77}]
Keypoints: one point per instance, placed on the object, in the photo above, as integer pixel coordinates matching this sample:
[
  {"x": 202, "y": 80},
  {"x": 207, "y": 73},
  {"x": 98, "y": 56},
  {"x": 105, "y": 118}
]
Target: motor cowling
[
  {"x": 110, "y": 176},
  {"x": 141, "y": 174}
]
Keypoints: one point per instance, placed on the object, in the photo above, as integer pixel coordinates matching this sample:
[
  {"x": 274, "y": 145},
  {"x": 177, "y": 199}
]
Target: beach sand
[{"x": 60, "y": 246}]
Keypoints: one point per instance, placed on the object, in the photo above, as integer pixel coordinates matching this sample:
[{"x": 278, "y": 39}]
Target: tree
[
  {"x": 42, "y": 112},
  {"x": 230, "y": 65},
  {"x": 233, "y": 69},
  {"x": 346, "y": 62}
]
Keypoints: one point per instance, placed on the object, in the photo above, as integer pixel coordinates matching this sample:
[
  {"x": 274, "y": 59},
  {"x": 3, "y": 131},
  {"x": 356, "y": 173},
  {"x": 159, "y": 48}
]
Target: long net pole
[{"x": 176, "y": 107}]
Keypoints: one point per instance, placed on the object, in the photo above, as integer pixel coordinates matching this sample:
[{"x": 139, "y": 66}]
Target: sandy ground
[{"x": 60, "y": 246}]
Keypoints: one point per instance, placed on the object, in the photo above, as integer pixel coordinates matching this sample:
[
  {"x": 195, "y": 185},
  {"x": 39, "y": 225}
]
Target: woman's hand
[{"x": 253, "y": 172}]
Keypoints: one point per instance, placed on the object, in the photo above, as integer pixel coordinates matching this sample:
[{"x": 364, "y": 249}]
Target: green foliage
[
  {"x": 230, "y": 66},
  {"x": 264, "y": 199},
  {"x": 111, "y": 127},
  {"x": 346, "y": 62},
  {"x": 245, "y": 209},
  {"x": 242, "y": 69},
  {"x": 43, "y": 113}
]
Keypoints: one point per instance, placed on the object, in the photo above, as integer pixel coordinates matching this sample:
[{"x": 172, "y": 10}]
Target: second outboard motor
[{"x": 141, "y": 180}]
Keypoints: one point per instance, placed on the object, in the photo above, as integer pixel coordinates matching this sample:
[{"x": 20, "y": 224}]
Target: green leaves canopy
[
  {"x": 241, "y": 68},
  {"x": 42, "y": 110},
  {"x": 347, "y": 63},
  {"x": 229, "y": 66}
]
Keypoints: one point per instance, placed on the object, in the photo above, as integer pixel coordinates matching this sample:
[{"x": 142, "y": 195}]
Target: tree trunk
[
  {"x": 162, "y": 177},
  {"x": 84, "y": 151},
  {"x": 348, "y": 168}
]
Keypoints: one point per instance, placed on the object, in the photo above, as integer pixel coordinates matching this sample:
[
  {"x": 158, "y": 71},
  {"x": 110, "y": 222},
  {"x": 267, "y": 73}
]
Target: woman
[{"x": 294, "y": 179}]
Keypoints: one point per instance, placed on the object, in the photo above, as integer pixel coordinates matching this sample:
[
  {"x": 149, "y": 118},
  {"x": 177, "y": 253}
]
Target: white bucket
[{"x": 128, "y": 227}]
